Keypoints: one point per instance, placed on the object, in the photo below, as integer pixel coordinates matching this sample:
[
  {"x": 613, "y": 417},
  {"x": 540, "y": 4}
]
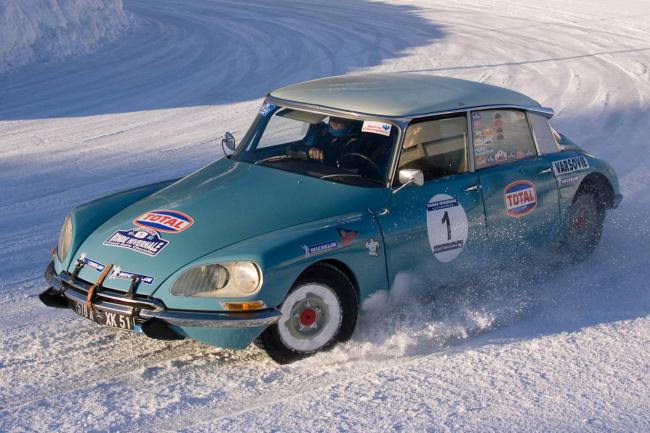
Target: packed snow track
[{"x": 521, "y": 349}]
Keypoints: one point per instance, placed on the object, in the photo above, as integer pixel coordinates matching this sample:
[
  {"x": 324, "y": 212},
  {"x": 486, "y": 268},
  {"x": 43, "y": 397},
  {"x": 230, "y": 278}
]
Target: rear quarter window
[{"x": 546, "y": 142}]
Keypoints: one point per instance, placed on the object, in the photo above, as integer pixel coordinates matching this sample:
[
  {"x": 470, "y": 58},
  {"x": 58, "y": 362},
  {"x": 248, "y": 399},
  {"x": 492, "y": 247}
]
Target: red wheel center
[
  {"x": 307, "y": 317},
  {"x": 580, "y": 221}
]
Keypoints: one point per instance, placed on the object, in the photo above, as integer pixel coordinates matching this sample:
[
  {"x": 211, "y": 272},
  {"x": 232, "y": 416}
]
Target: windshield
[{"x": 319, "y": 145}]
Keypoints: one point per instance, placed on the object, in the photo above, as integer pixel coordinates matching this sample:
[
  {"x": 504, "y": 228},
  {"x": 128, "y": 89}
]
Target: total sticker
[
  {"x": 376, "y": 127},
  {"x": 446, "y": 226}
]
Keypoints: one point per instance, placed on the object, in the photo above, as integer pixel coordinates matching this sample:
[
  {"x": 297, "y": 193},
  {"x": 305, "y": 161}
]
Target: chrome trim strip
[
  {"x": 470, "y": 142},
  {"x": 217, "y": 319},
  {"x": 544, "y": 111}
]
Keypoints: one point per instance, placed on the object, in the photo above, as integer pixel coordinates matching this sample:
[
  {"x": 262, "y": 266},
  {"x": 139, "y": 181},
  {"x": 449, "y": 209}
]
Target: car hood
[{"x": 228, "y": 202}]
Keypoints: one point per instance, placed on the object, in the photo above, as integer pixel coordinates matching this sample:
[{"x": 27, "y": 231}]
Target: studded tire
[
  {"x": 319, "y": 311},
  {"x": 585, "y": 219}
]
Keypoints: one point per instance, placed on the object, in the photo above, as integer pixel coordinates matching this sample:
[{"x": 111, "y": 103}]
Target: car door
[
  {"x": 435, "y": 232},
  {"x": 518, "y": 185}
]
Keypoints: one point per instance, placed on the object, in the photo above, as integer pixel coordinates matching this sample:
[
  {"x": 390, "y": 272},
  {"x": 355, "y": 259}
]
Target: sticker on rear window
[{"x": 376, "y": 127}]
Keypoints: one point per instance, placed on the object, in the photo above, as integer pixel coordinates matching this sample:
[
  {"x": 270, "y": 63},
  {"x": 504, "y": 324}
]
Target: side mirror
[
  {"x": 228, "y": 142},
  {"x": 408, "y": 177}
]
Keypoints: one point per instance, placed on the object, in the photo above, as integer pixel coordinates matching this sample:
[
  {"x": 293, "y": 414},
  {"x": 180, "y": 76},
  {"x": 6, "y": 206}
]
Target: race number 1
[{"x": 446, "y": 227}]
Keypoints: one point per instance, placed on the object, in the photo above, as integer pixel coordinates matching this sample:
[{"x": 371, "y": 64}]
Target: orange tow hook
[{"x": 98, "y": 283}]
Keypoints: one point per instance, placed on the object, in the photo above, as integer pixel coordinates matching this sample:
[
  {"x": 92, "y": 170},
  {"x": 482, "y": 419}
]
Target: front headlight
[
  {"x": 65, "y": 239},
  {"x": 223, "y": 280}
]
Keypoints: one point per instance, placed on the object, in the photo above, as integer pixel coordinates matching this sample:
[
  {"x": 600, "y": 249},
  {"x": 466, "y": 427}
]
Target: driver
[{"x": 327, "y": 142}]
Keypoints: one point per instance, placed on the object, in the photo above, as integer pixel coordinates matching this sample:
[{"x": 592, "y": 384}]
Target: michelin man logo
[{"x": 372, "y": 246}]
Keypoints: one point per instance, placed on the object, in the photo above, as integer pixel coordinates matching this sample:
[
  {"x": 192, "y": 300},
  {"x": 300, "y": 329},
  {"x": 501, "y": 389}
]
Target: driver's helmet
[{"x": 338, "y": 126}]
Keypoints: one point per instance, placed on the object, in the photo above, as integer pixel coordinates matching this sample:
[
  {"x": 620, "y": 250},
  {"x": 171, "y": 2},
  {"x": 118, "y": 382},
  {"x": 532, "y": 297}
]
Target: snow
[
  {"x": 524, "y": 349},
  {"x": 42, "y": 30}
]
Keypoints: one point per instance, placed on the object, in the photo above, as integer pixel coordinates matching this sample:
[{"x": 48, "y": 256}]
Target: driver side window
[{"x": 437, "y": 147}]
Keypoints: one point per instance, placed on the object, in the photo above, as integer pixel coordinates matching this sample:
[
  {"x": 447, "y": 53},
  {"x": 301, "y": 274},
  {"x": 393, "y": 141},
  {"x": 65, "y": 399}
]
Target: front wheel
[
  {"x": 585, "y": 220},
  {"x": 319, "y": 311}
]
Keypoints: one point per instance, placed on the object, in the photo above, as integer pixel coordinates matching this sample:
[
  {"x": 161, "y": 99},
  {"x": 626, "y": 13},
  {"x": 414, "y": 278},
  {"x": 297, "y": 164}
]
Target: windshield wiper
[
  {"x": 353, "y": 176},
  {"x": 278, "y": 158}
]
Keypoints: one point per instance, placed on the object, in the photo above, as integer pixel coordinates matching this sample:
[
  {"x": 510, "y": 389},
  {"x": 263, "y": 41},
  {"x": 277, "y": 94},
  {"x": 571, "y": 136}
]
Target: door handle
[
  {"x": 472, "y": 188},
  {"x": 546, "y": 170}
]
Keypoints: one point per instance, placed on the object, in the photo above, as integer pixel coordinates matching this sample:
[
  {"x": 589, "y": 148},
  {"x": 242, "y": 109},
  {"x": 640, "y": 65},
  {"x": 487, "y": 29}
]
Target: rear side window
[
  {"x": 543, "y": 135},
  {"x": 501, "y": 136},
  {"x": 437, "y": 147}
]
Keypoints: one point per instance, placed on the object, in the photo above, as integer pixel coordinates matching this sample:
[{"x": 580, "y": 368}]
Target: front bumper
[{"x": 151, "y": 315}]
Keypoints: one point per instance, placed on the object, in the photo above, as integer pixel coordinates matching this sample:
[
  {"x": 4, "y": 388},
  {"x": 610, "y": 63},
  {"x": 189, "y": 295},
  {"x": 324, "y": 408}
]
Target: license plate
[{"x": 104, "y": 318}]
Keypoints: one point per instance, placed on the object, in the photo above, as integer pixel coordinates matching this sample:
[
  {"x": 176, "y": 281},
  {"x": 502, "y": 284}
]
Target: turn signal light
[{"x": 244, "y": 306}]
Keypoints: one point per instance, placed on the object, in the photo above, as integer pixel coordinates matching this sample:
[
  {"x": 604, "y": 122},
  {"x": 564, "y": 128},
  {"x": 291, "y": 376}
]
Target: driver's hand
[{"x": 315, "y": 153}]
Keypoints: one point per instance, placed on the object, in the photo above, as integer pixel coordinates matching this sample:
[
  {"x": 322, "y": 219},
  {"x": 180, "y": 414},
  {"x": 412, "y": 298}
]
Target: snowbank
[{"x": 42, "y": 30}]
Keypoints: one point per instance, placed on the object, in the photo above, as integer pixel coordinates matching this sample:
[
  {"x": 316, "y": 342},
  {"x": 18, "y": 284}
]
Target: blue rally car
[{"x": 339, "y": 185}]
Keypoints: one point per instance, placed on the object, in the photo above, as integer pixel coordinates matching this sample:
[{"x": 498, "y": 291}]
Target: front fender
[
  {"x": 88, "y": 216},
  {"x": 352, "y": 241}
]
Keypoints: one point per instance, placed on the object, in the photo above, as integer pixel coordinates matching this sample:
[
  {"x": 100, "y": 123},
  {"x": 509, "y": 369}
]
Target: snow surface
[
  {"x": 42, "y": 30},
  {"x": 522, "y": 349}
]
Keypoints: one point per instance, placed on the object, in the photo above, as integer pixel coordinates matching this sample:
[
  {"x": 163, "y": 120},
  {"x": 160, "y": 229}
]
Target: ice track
[{"x": 524, "y": 349}]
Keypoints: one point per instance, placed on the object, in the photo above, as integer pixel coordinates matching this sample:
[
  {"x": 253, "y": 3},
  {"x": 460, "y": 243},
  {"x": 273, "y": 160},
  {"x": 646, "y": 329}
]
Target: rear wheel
[
  {"x": 585, "y": 220},
  {"x": 319, "y": 311}
]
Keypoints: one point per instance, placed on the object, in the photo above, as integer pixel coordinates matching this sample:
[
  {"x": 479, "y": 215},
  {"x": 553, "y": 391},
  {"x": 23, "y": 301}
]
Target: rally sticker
[
  {"x": 569, "y": 180},
  {"x": 520, "y": 198},
  {"x": 168, "y": 221},
  {"x": 140, "y": 240},
  {"x": 91, "y": 263},
  {"x": 347, "y": 236},
  {"x": 376, "y": 127},
  {"x": 116, "y": 273},
  {"x": 570, "y": 165},
  {"x": 315, "y": 249},
  {"x": 266, "y": 109},
  {"x": 446, "y": 226}
]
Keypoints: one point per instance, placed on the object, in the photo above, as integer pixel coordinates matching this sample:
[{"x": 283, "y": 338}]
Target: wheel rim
[
  {"x": 311, "y": 317},
  {"x": 583, "y": 222}
]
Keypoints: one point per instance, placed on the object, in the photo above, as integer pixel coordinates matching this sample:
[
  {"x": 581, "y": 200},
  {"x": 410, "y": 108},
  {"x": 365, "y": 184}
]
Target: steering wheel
[{"x": 370, "y": 162}]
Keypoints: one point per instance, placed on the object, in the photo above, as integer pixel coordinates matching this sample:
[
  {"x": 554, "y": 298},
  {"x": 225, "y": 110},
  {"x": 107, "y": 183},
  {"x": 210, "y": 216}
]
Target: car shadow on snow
[{"x": 197, "y": 53}]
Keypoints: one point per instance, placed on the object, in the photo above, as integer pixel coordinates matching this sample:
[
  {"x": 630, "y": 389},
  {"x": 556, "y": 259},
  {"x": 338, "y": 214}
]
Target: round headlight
[
  {"x": 65, "y": 239},
  {"x": 200, "y": 281},
  {"x": 223, "y": 280},
  {"x": 246, "y": 277}
]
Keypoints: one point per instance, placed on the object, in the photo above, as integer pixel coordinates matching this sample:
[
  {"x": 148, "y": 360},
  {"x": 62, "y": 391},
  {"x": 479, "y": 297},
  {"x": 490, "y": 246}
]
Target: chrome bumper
[{"x": 64, "y": 289}]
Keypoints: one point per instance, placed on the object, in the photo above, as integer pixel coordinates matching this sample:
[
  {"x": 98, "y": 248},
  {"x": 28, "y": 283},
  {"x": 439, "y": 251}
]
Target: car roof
[{"x": 403, "y": 94}]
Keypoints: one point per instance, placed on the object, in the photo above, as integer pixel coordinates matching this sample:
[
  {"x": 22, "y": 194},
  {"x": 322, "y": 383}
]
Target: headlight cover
[
  {"x": 219, "y": 280},
  {"x": 65, "y": 239}
]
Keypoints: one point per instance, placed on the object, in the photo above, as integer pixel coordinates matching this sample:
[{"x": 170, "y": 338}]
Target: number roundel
[{"x": 446, "y": 226}]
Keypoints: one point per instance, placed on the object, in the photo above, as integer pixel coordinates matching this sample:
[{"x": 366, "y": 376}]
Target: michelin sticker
[
  {"x": 376, "y": 127},
  {"x": 446, "y": 226},
  {"x": 315, "y": 249},
  {"x": 266, "y": 109},
  {"x": 118, "y": 274},
  {"x": 570, "y": 165},
  {"x": 141, "y": 240},
  {"x": 520, "y": 198}
]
